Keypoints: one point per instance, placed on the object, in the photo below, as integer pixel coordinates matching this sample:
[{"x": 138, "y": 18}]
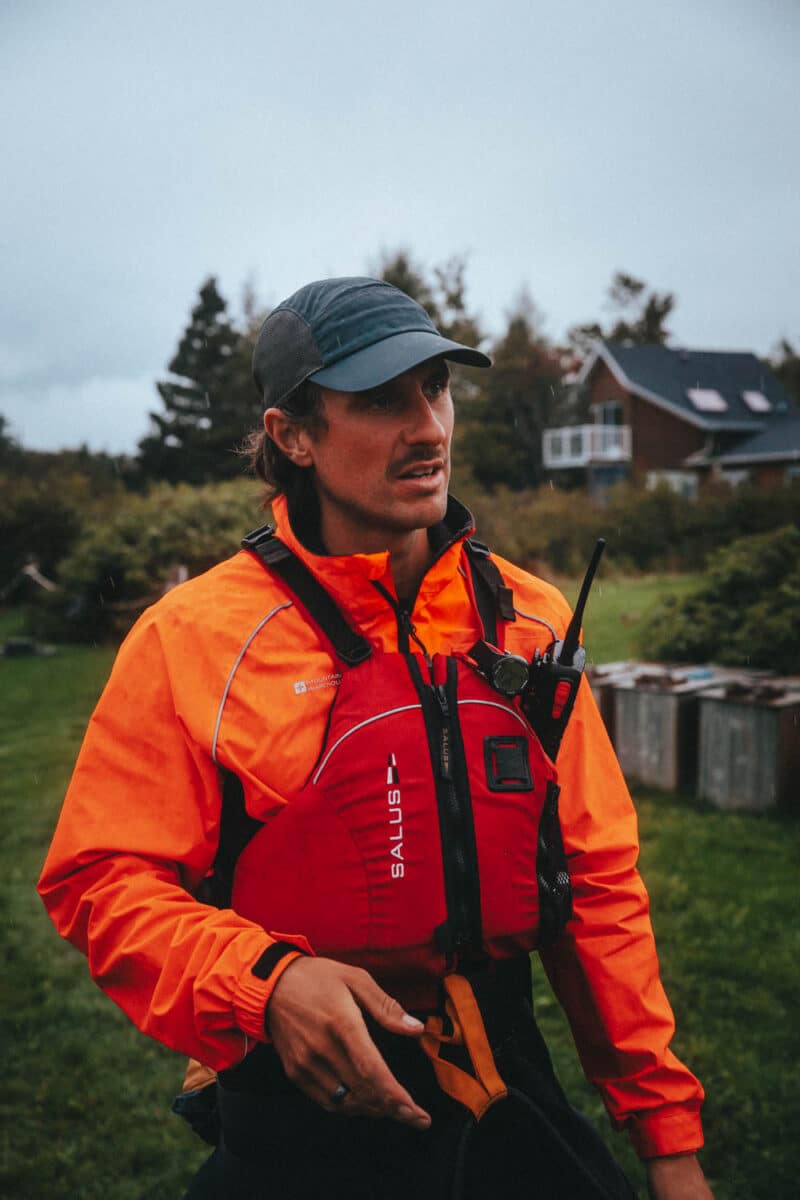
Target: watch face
[{"x": 510, "y": 674}]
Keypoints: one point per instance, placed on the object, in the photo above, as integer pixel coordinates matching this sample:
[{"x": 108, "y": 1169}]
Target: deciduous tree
[
  {"x": 785, "y": 362},
  {"x": 640, "y": 315}
]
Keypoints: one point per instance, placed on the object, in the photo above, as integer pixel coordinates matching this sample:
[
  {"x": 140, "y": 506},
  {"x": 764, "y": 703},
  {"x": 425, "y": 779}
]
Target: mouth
[{"x": 426, "y": 470}]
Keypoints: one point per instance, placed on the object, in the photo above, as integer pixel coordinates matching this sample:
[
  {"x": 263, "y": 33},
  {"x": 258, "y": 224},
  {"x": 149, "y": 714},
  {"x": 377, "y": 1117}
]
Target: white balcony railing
[{"x": 582, "y": 445}]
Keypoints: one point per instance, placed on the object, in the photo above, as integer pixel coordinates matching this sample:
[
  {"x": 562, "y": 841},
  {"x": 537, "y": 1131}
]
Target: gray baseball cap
[{"x": 347, "y": 334}]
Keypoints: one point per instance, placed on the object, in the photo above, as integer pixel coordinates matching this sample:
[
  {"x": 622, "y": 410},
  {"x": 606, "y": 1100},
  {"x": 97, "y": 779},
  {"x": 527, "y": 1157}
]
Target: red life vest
[{"x": 426, "y": 837}]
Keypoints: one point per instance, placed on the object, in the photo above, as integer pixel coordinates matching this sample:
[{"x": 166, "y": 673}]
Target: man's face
[{"x": 382, "y": 462}]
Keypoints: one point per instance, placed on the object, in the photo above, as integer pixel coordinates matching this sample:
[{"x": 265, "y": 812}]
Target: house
[
  {"x": 769, "y": 457},
  {"x": 681, "y": 416}
]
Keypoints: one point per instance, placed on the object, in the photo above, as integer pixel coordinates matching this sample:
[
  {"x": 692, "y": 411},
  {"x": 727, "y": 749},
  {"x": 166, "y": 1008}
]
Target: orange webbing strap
[
  {"x": 197, "y": 1076},
  {"x": 479, "y": 1092}
]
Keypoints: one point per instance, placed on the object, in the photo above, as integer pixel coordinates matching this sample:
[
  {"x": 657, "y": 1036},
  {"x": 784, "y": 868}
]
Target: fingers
[
  {"x": 384, "y": 1008},
  {"x": 374, "y": 1089},
  {"x": 322, "y": 1085},
  {"x": 318, "y": 1030}
]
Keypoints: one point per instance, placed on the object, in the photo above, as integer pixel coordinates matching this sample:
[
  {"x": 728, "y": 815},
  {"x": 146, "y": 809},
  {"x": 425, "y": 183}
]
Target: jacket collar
[{"x": 350, "y": 578}]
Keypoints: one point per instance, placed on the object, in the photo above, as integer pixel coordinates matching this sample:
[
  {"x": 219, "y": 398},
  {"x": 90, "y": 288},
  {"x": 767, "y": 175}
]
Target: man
[{"x": 203, "y": 765}]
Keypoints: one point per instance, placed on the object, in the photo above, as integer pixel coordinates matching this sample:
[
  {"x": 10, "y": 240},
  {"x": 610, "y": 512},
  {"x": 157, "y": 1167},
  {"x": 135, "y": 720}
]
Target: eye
[
  {"x": 379, "y": 398},
  {"x": 437, "y": 383}
]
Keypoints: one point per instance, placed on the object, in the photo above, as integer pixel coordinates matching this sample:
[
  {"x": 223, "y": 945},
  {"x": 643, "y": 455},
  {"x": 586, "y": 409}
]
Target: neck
[
  {"x": 409, "y": 562},
  {"x": 409, "y": 550}
]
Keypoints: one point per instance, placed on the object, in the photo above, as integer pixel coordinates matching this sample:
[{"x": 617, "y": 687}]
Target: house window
[
  {"x": 735, "y": 477},
  {"x": 756, "y": 402},
  {"x": 707, "y": 399},
  {"x": 609, "y": 413},
  {"x": 792, "y": 473},
  {"x": 683, "y": 483}
]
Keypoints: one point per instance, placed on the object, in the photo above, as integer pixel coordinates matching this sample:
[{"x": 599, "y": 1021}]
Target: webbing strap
[
  {"x": 476, "y": 1092},
  {"x": 491, "y": 594},
  {"x": 350, "y": 646}
]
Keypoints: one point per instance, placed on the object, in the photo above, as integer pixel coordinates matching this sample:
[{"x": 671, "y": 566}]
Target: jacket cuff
[
  {"x": 253, "y": 991},
  {"x": 667, "y": 1131}
]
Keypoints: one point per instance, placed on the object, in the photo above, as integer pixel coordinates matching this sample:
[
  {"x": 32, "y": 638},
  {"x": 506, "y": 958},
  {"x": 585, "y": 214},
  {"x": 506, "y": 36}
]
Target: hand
[
  {"x": 677, "y": 1177},
  {"x": 316, "y": 1024}
]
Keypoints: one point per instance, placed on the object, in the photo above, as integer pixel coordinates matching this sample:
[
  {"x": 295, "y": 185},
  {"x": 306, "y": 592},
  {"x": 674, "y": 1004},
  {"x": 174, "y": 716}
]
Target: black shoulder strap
[
  {"x": 492, "y": 595},
  {"x": 351, "y": 647},
  {"x": 236, "y": 829}
]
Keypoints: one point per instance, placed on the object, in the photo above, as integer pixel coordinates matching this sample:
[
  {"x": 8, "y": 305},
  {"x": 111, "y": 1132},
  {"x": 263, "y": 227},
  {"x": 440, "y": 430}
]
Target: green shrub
[
  {"x": 36, "y": 525},
  {"x": 122, "y": 562},
  {"x": 654, "y": 530},
  {"x": 122, "y": 545},
  {"x": 539, "y": 529},
  {"x": 745, "y": 611}
]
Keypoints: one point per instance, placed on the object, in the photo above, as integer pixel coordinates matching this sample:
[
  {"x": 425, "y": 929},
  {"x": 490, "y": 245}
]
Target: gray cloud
[{"x": 149, "y": 146}]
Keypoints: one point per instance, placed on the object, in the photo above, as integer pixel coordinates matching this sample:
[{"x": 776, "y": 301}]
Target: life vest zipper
[
  {"x": 461, "y": 934},
  {"x": 405, "y": 626},
  {"x": 410, "y": 629}
]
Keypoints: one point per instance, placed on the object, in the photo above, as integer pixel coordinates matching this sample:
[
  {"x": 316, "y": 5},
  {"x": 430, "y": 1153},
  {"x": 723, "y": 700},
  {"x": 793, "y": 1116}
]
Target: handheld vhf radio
[
  {"x": 548, "y": 685},
  {"x": 555, "y": 675}
]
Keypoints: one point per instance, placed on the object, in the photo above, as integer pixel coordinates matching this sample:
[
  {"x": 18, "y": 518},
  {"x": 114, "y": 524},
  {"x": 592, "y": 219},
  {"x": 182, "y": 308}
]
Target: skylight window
[
  {"x": 756, "y": 401},
  {"x": 707, "y": 399}
]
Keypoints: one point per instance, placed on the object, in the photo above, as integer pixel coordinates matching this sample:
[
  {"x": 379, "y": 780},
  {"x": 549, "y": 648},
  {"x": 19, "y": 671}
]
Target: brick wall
[
  {"x": 768, "y": 474},
  {"x": 659, "y": 441}
]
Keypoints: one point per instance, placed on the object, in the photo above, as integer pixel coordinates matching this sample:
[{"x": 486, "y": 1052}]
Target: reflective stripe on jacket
[{"x": 226, "y": 672}]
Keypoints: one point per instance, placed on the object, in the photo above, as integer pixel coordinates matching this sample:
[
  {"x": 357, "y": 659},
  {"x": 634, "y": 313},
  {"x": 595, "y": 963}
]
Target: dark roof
[
  {"x": 663, "y": 374},
  {"x": 781, "y": 440}
]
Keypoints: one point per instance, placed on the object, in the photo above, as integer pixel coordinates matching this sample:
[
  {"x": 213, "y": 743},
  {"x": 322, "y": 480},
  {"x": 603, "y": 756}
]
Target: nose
[{"x": 424, "y": 425}]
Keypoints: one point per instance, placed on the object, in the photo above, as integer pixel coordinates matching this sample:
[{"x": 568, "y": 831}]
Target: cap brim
[{"x": 384, "y": 360}]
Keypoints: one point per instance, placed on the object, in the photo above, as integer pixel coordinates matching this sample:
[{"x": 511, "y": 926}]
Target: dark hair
[{"x": 267, "y": 460}]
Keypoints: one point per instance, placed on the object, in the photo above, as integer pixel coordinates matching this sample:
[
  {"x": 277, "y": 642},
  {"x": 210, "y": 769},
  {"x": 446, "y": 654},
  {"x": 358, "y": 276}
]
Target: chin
[{"x": 428, "y": 511}]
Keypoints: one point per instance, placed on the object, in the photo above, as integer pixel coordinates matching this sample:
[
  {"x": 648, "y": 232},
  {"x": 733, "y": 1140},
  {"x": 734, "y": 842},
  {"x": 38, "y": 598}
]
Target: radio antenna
[{"x": 570, "y": 643}]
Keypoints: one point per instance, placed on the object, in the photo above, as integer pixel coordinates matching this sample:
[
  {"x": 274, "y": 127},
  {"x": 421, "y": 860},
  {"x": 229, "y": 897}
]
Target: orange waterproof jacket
[{"x": 227, "y": 673}]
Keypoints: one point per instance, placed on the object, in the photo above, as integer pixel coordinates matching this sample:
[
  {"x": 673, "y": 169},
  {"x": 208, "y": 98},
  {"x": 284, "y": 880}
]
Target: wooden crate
[
  {"x": 655, "y": 727},
  {"x": 750, "y": 746}
]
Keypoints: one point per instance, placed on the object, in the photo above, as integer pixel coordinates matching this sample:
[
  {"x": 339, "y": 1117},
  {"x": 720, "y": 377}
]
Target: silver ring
[{"x": 338, "y": 1096}]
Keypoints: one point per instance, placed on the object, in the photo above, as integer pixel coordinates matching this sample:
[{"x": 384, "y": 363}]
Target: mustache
[{"x": 422, "y": 456}]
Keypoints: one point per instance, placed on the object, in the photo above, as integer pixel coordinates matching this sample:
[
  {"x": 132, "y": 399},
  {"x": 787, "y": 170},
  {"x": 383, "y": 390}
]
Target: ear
[{"x": 289, "y": 436}]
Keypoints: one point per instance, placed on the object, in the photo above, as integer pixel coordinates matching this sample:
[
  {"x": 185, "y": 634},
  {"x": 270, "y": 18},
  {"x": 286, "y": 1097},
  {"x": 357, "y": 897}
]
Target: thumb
[{"x": 383, "y": 1007}]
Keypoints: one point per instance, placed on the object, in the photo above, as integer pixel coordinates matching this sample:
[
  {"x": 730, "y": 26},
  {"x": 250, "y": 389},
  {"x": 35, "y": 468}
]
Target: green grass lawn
[
  {"x": 723, "y": 890},
  {"x": 86, "y": 1097},
  {"x": 618, "y": 608}
]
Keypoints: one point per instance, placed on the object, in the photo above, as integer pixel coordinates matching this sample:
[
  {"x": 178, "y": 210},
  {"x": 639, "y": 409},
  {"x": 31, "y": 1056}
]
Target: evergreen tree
[
  {"x": 210, "y": 402},
  {"x": 522, "y": 396},
  {"x": 10, "y": 450}
]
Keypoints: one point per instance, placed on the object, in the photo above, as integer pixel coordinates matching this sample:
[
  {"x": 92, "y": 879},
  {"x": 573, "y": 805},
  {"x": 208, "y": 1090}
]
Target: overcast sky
[{"x": 147, "y": 145}]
